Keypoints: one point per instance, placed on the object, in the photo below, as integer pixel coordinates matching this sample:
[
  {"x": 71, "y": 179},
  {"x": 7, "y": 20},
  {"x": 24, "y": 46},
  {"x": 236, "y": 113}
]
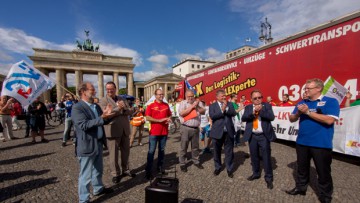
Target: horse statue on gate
[{"x": 87, "y": 44}]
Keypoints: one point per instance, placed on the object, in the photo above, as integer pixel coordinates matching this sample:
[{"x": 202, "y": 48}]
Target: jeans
[
  {"x": 153, "y": 140},
  {"x": 91, "y": 170},
  {"x": 68, "y": 126}
]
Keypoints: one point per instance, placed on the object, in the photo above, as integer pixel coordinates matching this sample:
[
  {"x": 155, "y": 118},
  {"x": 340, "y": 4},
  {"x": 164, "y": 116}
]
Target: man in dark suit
[
  {"x": 259, "y": 132},
  {"x": 222, "y": 132},
  {"x": 88, "y": 121}
]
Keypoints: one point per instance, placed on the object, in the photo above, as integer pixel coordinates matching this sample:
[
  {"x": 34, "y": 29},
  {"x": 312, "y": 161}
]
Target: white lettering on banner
[
  {"x": 223, "y": 67},
  {"x": 195, "y": 76},
  {"x": 295, "y": 91},
  {"x": 253, "y": 58},
  {"x": 319, "y": 38},
  {"x": 346, "y": 125},
  {"x": 25, "y": 83}
]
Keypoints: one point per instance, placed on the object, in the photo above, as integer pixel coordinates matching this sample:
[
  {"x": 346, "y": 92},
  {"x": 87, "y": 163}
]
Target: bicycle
[{"x": 57, "y": 118}]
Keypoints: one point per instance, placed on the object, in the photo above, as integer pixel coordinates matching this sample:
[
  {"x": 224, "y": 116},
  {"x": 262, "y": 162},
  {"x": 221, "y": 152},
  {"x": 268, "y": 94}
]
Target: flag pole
[{"x": 75, "y": 96}]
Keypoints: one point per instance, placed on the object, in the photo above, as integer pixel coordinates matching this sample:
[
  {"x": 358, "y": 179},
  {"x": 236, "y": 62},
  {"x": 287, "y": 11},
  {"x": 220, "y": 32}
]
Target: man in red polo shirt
[
  {"x": 158, "y": 114},
  {"x": 286, "y": 101}
]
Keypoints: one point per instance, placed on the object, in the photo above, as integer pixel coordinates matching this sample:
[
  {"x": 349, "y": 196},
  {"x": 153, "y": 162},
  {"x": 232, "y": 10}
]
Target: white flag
[
  {"x": 334, "y": 89},
  {"x": 25, "y": 83}
]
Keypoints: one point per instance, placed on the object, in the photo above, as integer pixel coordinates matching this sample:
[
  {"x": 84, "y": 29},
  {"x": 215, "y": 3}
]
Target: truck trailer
[{"x": 282, "y": 67}]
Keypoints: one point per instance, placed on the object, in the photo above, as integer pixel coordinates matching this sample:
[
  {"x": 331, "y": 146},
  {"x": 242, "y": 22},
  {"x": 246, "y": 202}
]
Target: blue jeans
[
  {"x": 91, "y": 170},
  {"x": 153, "y": 140},
  {"x": 68, "y": 126}
]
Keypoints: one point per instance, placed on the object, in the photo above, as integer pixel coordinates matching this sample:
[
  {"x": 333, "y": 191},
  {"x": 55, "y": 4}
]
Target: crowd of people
[{"x": 112, "y": 122}]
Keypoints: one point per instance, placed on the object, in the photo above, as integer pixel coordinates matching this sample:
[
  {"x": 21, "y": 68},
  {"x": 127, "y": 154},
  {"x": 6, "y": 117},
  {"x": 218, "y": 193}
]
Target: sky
[{"x": 157, "y": 34}]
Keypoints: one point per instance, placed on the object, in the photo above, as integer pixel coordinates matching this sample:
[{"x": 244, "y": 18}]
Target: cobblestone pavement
[{"x": 47, "y": 172}]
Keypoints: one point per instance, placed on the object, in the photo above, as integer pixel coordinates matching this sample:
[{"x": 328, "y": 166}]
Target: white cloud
[
  {"x": 209, "y": 54},
  {"x": 159, "y": 64},
  {"x": 145, "y": 76},
  {"x": 4, "y": 68},
  {"x": 289, "y": 17},
  {"x": 17, "y": 41},
  {"x": 116, "y": 50},
  {"x": 4, "y": 56}
]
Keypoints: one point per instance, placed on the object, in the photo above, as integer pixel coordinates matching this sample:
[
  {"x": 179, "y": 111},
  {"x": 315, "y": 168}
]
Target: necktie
[{"x": 256, "y": 121}]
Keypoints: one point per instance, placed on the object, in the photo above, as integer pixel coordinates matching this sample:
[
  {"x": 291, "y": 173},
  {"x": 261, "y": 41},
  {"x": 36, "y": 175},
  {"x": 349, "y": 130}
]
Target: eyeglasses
[
  {"x": 309, "y": 88},
  {"x": 160, "y": 94},
  {"x": 256, "y": 98}
]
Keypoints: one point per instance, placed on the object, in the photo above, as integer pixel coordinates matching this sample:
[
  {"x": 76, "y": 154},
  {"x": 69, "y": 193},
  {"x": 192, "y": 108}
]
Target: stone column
[
  {"x": 46, "y": 94},
  {"x": 59, "y": 79},
  {"x": 78, "y": 81},
  {"x": 101, "y": 84},
  {"x": 130, "y": 84},
  {"x": 146, "y": 90},
  {"x": 116, "y": 81},
  {"x": 137, "y": 92},
  {"x": 166, "y": 90}
]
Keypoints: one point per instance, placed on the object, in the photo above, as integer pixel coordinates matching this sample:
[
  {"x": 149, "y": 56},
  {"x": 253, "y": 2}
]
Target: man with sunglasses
[
  {"x": 317, "y": 114},
  {"x": 259, "y": 132}
]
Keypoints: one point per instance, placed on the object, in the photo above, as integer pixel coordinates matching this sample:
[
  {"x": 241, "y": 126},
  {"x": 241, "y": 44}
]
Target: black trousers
[
  {"x": 228, "y": 142},
  {"x": 322, "y": 160},
  {"x": 256, "y": 143}
]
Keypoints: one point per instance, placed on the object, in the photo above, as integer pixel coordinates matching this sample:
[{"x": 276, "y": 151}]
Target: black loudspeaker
[{"x": 162, "y": 190}]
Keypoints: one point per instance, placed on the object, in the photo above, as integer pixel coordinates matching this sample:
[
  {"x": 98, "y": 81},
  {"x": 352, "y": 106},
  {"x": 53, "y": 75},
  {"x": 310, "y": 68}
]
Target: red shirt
[
  {"x": 158, "y": 111},
  {"x": 247, "y": 102},
  {"x": 272, "y": 103},
  {"x": 287, "y": 103}
]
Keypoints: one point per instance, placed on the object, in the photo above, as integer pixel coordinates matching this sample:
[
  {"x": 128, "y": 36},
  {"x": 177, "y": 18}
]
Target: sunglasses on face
[{"x": 256, "y": 98}]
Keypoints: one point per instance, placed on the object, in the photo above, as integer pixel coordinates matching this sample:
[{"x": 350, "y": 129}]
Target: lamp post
[{"x": 265, "y": 36}]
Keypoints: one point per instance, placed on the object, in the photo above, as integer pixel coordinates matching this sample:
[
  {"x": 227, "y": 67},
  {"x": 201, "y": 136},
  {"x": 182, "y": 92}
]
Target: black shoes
[
  {"x": 183, "y": 168},
  {"x": 295, "y": 191},
  {"x": 269, "y": 185},
  {"x": 105, "y": 191},
  {"x": 63, "y": 144},
  {"x": 128, "y": 173},
  {"x": 148, "y": 176},
  {"x": 230, "y": 174},
  {"x": 44, "y": 140},
  {"x": 199, "y": 166},
  {"x": 253, "y": 177},
  {"x": 116, "y": 179},
  {"x": 217, "y": 172},
  {"x": 161, "y": 170}
]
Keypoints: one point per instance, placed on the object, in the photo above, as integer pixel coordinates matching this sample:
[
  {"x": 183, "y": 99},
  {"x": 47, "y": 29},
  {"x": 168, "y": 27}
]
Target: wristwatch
[{"x": 308, "y": 112}]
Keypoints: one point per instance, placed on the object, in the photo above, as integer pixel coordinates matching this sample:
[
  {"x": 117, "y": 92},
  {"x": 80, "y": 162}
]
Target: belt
[
  {"x": 258, "y": 134},
  {"x": 191, "y": 127}
]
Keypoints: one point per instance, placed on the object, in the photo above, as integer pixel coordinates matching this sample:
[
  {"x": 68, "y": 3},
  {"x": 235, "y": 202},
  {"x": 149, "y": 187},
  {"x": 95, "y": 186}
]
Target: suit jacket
[
  {"x": 120, "y": 123},
  {"x": 86, "y": 129},
  {"x": 220, "y": 119},
  {"x": 266, "y": 114}
]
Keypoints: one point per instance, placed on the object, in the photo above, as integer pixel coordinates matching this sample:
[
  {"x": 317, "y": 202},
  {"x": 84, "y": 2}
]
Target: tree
[{"x": 122, "y": 91}]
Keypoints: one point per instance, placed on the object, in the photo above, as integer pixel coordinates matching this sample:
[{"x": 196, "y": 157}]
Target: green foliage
[{"x": 122, "y": 91}]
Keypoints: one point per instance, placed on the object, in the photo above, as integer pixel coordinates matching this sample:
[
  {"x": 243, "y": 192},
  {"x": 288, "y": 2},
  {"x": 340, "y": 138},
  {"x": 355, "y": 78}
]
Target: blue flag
[{"x": 188, "y": 86}]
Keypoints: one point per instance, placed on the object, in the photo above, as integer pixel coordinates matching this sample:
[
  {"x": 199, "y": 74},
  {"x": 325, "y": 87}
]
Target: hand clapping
[{"x": 107, "y": 113}]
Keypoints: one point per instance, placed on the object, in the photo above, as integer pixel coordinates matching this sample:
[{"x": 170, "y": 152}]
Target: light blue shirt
[{"x": 93, "y": 108}]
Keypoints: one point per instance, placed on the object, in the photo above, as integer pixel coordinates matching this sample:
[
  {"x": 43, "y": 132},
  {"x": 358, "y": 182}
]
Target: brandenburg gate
[{"x": 83, "y": 62}]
